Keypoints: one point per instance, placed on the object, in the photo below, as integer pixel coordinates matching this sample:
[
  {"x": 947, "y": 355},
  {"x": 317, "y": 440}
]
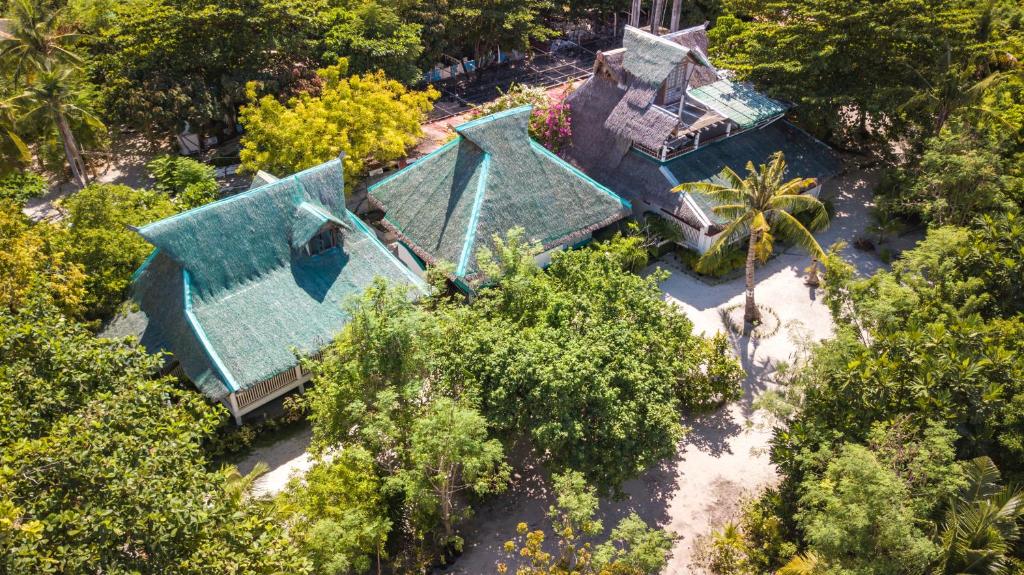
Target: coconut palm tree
[
  {"x": 56, "y": 97},
  {"x": 13, "y": 150},
  {"x": 36, "y": 39},
  {"x": 761, "y": 205},
  {"x": 981, "y": 525}
]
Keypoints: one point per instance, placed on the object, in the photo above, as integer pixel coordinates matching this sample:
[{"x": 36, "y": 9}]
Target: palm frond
[
  {"x": 810, "y": 204},
  {"x": 982, "y": 480},
  {"x": 791, "y": 229},
  {"x": 716, "y": 253},
  {"x": 801, "y": 564}
]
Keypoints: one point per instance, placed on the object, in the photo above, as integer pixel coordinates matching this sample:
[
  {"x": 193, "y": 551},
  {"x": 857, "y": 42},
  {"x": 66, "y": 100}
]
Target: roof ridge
[
  {"x": 235, "y": 197},
  {"x": 474, "y": 216}
]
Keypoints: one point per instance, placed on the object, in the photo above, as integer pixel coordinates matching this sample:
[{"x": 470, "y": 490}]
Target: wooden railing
[{"x": 266, "y": 387}]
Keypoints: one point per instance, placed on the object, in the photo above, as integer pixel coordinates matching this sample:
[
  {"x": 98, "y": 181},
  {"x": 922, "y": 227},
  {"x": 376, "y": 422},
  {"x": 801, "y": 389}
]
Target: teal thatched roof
[
  {"x": 229, "y": 295},
  {"x": 738, "y": 102},
  {"x": 492, "y": 178}
]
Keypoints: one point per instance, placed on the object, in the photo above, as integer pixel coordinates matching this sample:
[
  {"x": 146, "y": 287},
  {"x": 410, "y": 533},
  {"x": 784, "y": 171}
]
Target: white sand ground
[{"x": 725, "y": 455}]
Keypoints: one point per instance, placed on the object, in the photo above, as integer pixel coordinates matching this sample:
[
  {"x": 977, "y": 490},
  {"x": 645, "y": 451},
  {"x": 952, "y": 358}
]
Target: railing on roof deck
[{"x": 264, "y": 388}]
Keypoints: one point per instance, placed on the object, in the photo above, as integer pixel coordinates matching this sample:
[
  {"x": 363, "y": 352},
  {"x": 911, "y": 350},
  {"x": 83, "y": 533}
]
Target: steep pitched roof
[
  {"x": 492, "y": 178},
  {"x": 228, "y": 295},
  {"x": 696, "y": 39}
]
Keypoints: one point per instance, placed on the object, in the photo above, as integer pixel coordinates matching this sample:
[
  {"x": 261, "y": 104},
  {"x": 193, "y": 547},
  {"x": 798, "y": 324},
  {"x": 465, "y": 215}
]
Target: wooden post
[
  {"x": 677, "y": 11},
  {"x": 686, "y": 85},
  {"x": 655, "y": 13},
  {"x": 634, "y": 14},
  {"x": 696, "y": 140}
]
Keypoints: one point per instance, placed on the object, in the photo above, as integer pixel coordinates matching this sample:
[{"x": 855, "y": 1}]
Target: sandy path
[{"x": 726, "y": 454}]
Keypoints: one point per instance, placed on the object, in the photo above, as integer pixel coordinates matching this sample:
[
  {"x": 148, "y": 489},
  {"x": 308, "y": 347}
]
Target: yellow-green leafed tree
[{"x": 368, "y": 116}]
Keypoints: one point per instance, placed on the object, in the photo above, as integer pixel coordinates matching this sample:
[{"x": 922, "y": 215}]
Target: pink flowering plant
[
  {"x": 549, "y": 122},
  {"x": 551, "y": 126}
]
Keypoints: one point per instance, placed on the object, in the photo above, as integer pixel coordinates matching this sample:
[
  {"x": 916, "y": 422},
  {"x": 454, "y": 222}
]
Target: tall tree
[
  {"x": 38, "y": 38},
  {"x": 761, "y": 206},
  {"x": 56, "y": 97},
  {"x": 368, "y": 116}
]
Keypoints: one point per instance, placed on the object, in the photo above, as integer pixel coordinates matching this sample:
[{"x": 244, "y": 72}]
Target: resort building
[
  {"x": 490, "y": 179},
  {"x": 657, "y": 113},
  {"x": 236, "y": 289}
]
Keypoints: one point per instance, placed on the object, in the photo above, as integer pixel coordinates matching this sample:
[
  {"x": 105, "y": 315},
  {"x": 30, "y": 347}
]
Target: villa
[
  {"x": 657, "y": 113},
  {"x": 237, "y": 289},
  {"x": 490, "y": 179}
]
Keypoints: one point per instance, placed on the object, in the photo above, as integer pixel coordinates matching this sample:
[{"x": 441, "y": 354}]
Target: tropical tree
[
  {"x": 981, "y": 525},
  {"x": 37, "y": 39},
  {"x": 56, "y": 96},
  {"x": 763, "y": 207},
  {"x": 14, "y": 152}
]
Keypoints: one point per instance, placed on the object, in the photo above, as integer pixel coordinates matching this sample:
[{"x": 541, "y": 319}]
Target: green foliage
[
  {"x": 373, "y": 36},
  {"x": 758, "y": 543},
  {"x": 856, "y": 518},
  {"x": 368, "y": 117},
  {"x": 102, "y": 468},
  {"x": 34, "y": 264},
  {"x": 191, "y": 183},
  {"x": 851, "y": 66},
  {"x": 98, "y": 220},
  {"x": 760, "y": 207},
  {"x": 161, "y": 63},
  {"x": 337, "y": 513},
  {"x": 959, "y": 179},
  {"x": 632, "y": 548},
  {"x": 20, "y": 187},
  {"x": 610, "y": 347},
  {"x": 981, "y": 524},
  {"x": 479, "y": 27},
  {"x": 449, "y": 453}
]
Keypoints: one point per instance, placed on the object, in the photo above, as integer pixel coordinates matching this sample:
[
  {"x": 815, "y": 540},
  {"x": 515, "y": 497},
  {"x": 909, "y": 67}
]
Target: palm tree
[
  {"x": 36, "y": 39},
  {"x": 981, "y": 525},
  {"x": 762, "y": 206},
  {"x": 13, "y": 150},
  {"x": 56, "y": 97}
]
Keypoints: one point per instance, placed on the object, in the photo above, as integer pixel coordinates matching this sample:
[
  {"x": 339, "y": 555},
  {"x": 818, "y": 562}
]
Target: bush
[
  {"x": 191, "y": 183},
  {"x": 22, "y": 186}
]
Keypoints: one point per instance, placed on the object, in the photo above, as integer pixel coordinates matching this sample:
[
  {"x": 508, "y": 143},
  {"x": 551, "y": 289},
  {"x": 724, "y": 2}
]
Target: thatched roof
[
  {"x": 696, "y": 39},
  {"x": 226, "y": 292},
  {"x": 492, "y": 178}
]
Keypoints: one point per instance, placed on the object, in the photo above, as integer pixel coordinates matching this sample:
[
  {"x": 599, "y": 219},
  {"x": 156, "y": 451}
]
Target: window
[{"x": 323, "y": 241}]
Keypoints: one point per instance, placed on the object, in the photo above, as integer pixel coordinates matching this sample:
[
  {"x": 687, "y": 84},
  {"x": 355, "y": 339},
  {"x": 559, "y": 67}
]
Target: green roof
[
  {"x": 805, "y": 157},
  {"x": 651, "y": 59},
  {"x": 492, "y": 178},
  {"x": 738, "y": 102},
  {"x": 229, "y": 295}
]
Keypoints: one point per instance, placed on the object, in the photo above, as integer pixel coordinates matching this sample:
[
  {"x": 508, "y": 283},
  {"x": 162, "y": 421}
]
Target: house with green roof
[
  {"x": 237, "y": 289},
  {"x": 656, "y": 113},
  {"x": 491, "y": 178}
]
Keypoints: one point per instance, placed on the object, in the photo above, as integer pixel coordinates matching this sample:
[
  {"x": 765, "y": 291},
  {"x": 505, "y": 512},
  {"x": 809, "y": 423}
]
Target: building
[
  {"x": 236, "y": 288},
  {"x": 490, "y": 179},
  {"x": 657, "y": 113}
]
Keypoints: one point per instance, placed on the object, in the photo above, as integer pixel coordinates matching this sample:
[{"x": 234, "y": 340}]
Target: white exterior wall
[{"x": 409, "y": 259}]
